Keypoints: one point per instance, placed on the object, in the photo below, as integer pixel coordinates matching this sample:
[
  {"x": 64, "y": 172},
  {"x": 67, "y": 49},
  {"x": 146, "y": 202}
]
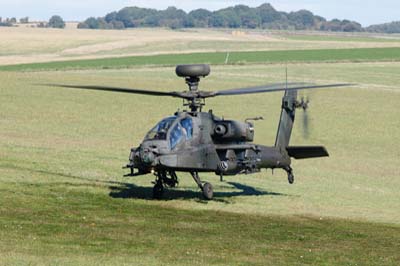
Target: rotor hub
[{"x": 192, "y": 71}]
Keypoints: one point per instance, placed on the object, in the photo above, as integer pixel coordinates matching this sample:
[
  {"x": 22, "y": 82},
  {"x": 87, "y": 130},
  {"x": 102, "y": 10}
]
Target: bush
[
  {"x": 56, "y": 22},
  {"x": 24, "y": 20}
]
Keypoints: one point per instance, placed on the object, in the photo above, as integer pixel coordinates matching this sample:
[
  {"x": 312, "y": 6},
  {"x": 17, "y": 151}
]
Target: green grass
[
  {"x": 64, "y": 200},
  {"x": 74, "y": 224},
  {"x": 297, "y": 56},
  {"x": 340, "y": 38}
]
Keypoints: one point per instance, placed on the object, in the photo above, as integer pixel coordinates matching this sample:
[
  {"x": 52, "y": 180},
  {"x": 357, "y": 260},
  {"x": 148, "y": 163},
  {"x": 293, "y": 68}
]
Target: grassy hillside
[{"x": 64, "y": 200}]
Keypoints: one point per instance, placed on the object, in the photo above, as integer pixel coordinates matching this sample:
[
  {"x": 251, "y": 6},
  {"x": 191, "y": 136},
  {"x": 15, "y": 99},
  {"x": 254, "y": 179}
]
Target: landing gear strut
[
  {"x": 289, "y": 172},
  {"x": 164, "y": 178},
  {"x": 158, "y": 189},
  {"x": 206, "y": 187},
  {"x": 171, "y": 181}
]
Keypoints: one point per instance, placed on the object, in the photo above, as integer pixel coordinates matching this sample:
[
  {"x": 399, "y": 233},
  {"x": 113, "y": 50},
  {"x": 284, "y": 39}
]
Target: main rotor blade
[
  {"x": 117, "y": 89},
  {"x": 276, "y": 87}
]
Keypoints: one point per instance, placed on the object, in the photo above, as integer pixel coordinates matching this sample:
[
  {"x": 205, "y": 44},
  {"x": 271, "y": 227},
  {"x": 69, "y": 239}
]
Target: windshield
[
  {"x": 187, "y": 126},
  {"x": 175, "y": 136},
  {"x": 161, "y": 129}
]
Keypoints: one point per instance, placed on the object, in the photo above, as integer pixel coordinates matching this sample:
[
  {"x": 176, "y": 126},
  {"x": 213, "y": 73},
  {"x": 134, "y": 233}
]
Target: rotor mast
[
  {"x": 195, "y": 103},
  {"x": 192, "y": 74}
]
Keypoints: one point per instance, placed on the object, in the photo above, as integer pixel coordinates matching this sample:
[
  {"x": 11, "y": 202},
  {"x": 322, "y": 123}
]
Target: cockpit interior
[{"x": 174, "y": 129}]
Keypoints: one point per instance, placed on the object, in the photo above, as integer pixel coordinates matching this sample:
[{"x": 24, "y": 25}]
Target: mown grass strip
[{"x": 320, "y": 55}]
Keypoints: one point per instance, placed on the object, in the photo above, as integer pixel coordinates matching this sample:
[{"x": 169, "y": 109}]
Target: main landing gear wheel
[
  {"x": 158, "y": 190},
  {"x": 208, "y": 191},
  {"x": 206, "y": 187}
]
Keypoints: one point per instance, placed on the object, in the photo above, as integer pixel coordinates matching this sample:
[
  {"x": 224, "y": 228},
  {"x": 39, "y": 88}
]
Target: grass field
[
  {"x": 291, "y": 56},
  {"x": 26, "y": 45},
  {"x": 64, "y": 200}
]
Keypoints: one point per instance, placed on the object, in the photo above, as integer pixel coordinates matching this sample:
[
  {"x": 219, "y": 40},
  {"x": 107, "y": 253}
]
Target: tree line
[
  {"x": 240, "y": 16},
  {"x": 393, "y": 27},
  {"x": 54, "y": 22},
  {"x": 7, "y": 22}
]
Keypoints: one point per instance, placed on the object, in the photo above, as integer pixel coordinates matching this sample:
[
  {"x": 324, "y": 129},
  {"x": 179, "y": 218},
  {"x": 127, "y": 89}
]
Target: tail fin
[{"x": 287, "y": 119}]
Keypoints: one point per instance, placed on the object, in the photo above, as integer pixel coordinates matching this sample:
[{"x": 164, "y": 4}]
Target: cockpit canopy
[
  {"x": 160, "y": 130},
  {"x": 174, "y": 129}
]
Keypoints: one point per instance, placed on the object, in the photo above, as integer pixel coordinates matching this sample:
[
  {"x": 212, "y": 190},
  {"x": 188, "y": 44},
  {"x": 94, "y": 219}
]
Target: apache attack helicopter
[{"x": 194, "y": 141}]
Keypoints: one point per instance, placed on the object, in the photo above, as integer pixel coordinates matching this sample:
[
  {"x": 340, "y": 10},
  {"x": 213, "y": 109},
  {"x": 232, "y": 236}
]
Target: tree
[
  {"x": 351, "y": 26},
  {"x": 56, "y": 22},
  {"x": 104, "y": 25},
  {"x": 41, "y": 25},
  {"x": 226, "y": 17},
  {"x": 216, "y": 21},
  {"x": 90, "y": 23},
  {"x": 24, "y": 20},
  {"x": 111, "y": 17},
  {"x": 173, "y": 18},
  {"x": 249, "y": 18},
  {"x": 117, "y": 25},
  {"x": 268, "y": 14},
  {"x": 201, "y": 18},
  {"x": 134, "y": 16},
  {"x": 393, "y": 27},
  {"x": 5, "y": 23},
  {"x": 152, "y": 21},
  {"x": 302, "y": 19}
]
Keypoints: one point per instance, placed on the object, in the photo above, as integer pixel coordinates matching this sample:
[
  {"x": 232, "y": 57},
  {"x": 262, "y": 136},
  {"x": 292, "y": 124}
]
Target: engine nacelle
[{"x": 233, "y": 130}]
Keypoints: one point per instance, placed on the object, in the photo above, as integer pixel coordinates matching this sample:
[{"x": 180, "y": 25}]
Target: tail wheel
[
  {"x": 290, "y": 178},
  {"x": 208, "y": 191}
]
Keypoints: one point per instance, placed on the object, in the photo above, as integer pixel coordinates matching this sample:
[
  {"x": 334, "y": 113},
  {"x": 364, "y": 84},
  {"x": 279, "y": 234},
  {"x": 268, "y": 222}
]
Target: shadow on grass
[
  {"x": 129, "y": 190},
  {"x": 139, "y": 192}
]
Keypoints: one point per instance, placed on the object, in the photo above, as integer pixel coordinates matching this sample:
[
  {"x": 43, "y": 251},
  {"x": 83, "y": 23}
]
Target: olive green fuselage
[{"x": 215, "y": 145}]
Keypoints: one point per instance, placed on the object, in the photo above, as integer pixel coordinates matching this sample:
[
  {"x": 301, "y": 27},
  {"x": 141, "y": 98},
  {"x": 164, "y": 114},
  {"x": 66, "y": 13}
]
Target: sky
[{"x": 366, "y": 12}]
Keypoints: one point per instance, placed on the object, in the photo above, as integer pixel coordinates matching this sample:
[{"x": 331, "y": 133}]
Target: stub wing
[{"x": 305, "y": 152}]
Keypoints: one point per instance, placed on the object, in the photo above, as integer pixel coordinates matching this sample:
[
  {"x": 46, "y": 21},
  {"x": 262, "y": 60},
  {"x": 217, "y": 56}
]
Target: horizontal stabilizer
[{"x": 304, "y": 152}]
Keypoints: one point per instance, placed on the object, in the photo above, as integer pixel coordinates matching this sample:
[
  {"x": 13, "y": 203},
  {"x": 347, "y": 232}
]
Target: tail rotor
[{"x": 304, "y": 104}]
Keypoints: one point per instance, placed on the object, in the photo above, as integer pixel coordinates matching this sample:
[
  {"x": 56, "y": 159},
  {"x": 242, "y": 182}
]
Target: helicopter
[{"x": 194, "y": 141}]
